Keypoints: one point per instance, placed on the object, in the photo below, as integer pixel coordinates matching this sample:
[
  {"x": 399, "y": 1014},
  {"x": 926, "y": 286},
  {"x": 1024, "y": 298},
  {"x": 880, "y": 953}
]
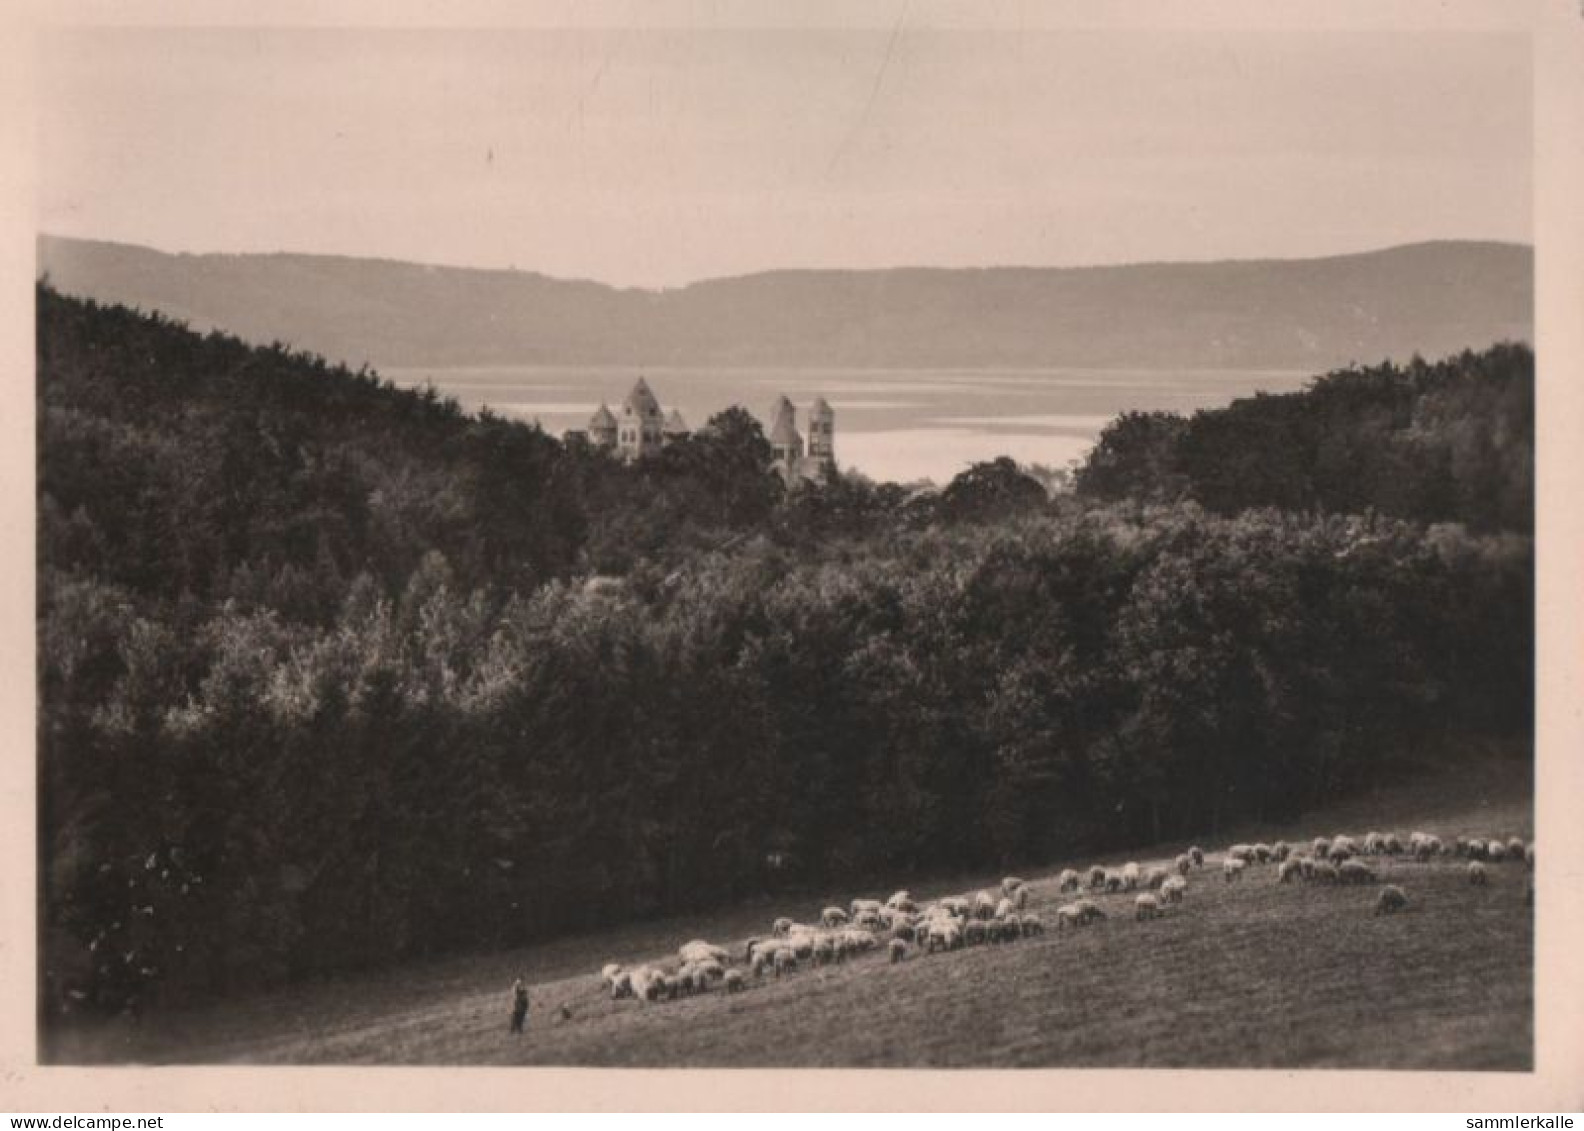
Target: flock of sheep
[{"x": 902, "y": 927}]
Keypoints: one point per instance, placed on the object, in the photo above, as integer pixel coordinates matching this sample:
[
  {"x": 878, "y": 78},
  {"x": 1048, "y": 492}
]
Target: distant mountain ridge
[{"x": 1428, "y": 298}]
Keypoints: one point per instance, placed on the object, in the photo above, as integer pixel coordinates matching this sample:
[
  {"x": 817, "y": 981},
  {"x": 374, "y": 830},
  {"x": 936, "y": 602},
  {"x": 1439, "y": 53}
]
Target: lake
[{"x": 891, "y": 424}]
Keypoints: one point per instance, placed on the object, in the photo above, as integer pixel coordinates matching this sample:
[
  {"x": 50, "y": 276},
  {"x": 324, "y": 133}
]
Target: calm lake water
[{"x": 899, "y": 425}]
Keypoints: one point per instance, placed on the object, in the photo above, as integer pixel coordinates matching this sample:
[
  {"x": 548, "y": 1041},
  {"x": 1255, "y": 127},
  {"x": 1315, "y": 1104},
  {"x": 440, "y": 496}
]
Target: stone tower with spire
[{"x": 640, "y": 429}]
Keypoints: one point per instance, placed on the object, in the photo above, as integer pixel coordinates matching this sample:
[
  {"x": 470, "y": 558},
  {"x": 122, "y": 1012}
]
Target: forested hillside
[
  {"x": 1306, "y": 314},
  {"x": 1451, "y": 441},
  {"x": 332, "y": 674}
]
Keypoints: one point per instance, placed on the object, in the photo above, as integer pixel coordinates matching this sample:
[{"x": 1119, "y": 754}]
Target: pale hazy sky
[{"x": 660, "y": 157}]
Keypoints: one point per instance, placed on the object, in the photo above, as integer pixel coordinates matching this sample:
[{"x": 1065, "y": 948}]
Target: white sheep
[
  {"x": 833, "y": 917},
  {"x": 1232, "y": 868},
  {"x": 1262, "y": 853},
  {"x": 1287, "y": 869},
  {"x": 1516, "y": 847},
  {"x": 897, "y": 949},
  {"x": 1130, "y": 875},
  {"x": 1068, "y": 880},
  {"x": 1196, "y": 854},
  {"x": 1324, "y": 872},
  {"x": 1281, "y": 850},
  {"x": 735, "y": 982},
  {"x": 1495, "y": 851},
  {"x": 984, "y": 905},
  {"x": 1174, "y": 889},
  {"x": 1004, "y": 908},
  {"x": 1097, "y": 877},
  {"x": 1183, "y": 863},
  {"x": 608, "y": 973},
  {"x": 1355, "y": 872},
  {"x": 1032, "y": 925},
  {"x": 901, "y": 901},
  {"x": 699, "y": 951},
  {"x": 1146, "y": 906},
  {"x": 1244, "y": 852},
  {"x": 1010, "y": 884},
  {"x": 782, "y": 927},
  {"x": 1020, "y": 898},
  {"x": 1391, "y": 899},
  {"x": 1155, "y": 877},
  {"x": 859, "y": 906},
  {"x": 621, "y": 986},
  {"x": 1476, "y": 873},
  {"x": 785, "y": 961}
]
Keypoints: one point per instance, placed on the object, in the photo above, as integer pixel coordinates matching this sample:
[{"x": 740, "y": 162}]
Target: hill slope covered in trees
[
  {"x": 1314, "y": 314},
  {"x": 325, "y": 681}
]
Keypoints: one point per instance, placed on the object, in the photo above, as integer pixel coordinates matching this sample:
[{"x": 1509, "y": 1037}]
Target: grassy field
[{"x": 1251, "y": 974}]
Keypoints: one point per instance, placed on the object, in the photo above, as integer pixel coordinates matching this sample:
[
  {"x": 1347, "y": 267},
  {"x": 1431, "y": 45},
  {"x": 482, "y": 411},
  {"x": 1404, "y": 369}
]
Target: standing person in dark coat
[{"x": 519, "y": 1006}]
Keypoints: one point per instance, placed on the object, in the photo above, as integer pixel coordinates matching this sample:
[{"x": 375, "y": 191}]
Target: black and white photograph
[{"x": 873, "y": 543}]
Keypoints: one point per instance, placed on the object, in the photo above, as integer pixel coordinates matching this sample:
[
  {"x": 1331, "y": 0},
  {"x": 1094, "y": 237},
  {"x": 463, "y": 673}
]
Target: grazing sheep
[
  {"x": 1182, "y": 863},
  {"x": 1146, "y": 906},
  {"x": 760, "y": 961},
  {"x": 1032, "y": 925},
  {"x": 1422, "y": 851},
  {"x": 1321, "y": 848},
  {"x": 943, "y": 934},
  {"x": 907, "y": 932},
  {"x": 1262, "y": 853},
  {"x": 1004, "y": 908},
  {"x": 1071, "y": 915},
  {"x": 1345, "y": 843},
  {"x": 785, "y": 962},
  {"x": 869, "y": 920},
  {"x": 1244, "y": 852},
  {"x": 608, "y": 973},
  {"x": 1495, "y": 851},
  {"x": 1374, "y": 844},
  {"x": 621, "y": 986},
  {"x": 1089, "y": 910},
  {"x": 1325, "y": 873},
  {"x": 1476, "y": 873},
  {"x": 781, "y": 927},
  {"x": 1114, "y": 884},
  {"x": 1391, "y": 898},
  {"x": 975, "y": 932},
  {"x": 1515, "y": 847},
  {"x": 1130, "y": 875},
  {"x": 1338, "y": 854},
  {"x": 735, "y": 982},
  {"x": 1280, "y": 850},
  {"x": 859, "y": 906},
  {"x": 1155, "y": 877},
  {"x": 1068, "y": 881},
  {"x": 1173, "y": 889},
  {"x": 1356, "y": 872},
  {"x": 956, "y": 904},
  {"x": 901, "y": 901},
  {"x": 897, "y": 949},
  {"x": 700, "y": 951},
  {"x": 1009, "y": 929},
  {"x": 1461, "y": 846},
  {"x": 1010, "y": 884},
  {"x": 1196, "y": 854},
  {"x": 1097, "y": 878},
  {"x": 1393, "y": 845},
  {"x": 824, "y": 951},
  {"x": 833, "y": 917},
  {"x": 1287, "y": 869},
  {"x": 984, "y": 905},
  {"x": 1020, "y": 898},
  {"x": 1306, "y": 866},
  {"x": 1476, "y": 849},
  {"x": 1232, "y": 868}
]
